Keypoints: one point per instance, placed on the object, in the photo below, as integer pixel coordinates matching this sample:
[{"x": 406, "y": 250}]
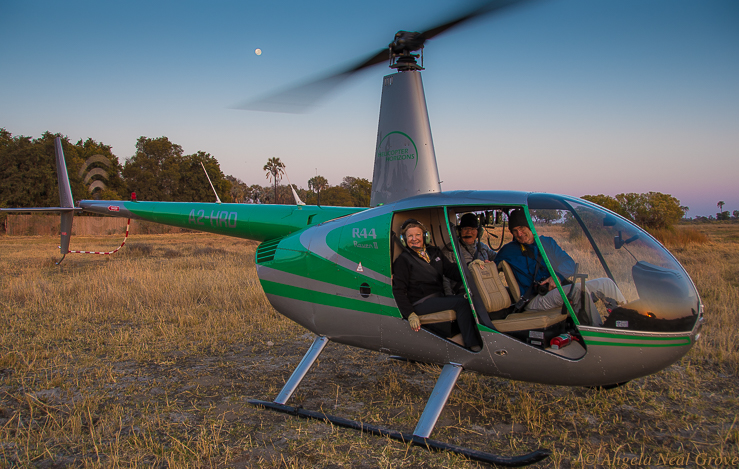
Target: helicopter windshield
[{"x": 659, "y": 296}]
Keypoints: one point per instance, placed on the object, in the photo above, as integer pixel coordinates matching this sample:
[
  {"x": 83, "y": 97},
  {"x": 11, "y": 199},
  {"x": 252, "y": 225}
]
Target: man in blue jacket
[{"x": 528, "y": 266}]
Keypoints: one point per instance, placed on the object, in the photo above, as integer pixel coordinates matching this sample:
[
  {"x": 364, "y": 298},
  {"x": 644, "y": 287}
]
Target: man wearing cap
[
  {"x": 528, "y": 266},
  {"x": 472, "y": 247}
]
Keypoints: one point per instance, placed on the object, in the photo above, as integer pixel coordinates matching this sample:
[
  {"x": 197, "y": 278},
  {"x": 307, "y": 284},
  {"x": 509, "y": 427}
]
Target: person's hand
[
  {"x": 414, "y": 322},
  {"x": 550, "y": 283}
]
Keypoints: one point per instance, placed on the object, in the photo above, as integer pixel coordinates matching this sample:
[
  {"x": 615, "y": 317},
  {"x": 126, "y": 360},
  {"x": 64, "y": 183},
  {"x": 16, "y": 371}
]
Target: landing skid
[
  {"x": 420, "y": 436},
  {"x": 427, "y": 443}
]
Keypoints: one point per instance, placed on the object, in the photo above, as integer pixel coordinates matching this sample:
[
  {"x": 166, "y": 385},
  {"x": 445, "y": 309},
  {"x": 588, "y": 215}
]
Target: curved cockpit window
[{"x": 657, "y": 293}]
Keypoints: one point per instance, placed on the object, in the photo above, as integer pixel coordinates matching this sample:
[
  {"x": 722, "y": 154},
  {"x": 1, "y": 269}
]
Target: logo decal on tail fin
[{"x": 398, "y": 148}]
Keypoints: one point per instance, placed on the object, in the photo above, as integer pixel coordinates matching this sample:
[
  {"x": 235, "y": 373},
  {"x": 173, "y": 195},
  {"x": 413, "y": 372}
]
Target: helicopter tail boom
[{"x": 258, "y": 222}]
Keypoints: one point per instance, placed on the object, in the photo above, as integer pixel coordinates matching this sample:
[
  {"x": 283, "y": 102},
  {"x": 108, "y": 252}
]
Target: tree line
[
  {"x": 654, "y": 209},
  {"x": 158, "y": 171}
]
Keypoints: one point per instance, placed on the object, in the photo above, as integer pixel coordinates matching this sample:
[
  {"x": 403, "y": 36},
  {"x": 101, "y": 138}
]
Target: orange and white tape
[{"x": 128, "y": 225}]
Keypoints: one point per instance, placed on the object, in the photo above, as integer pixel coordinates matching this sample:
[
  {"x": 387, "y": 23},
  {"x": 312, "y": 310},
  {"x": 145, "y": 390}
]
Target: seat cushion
[
  {"x": 529, "y": 320},
  {"x": 440, "y": 316}
]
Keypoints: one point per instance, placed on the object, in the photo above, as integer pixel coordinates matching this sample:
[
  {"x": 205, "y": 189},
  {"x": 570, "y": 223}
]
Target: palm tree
[
  {"x": 275, "y": 169},
  {"x": 720, "y": 206},
  {"x": 317, "y": 184}
]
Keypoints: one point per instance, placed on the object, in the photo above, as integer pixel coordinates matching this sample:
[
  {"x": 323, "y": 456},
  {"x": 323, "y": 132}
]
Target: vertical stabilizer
[
  {"x": 65, "y": 197},
  {"x": 405, "y": 162},
  {"x": 65, "y": 190}
]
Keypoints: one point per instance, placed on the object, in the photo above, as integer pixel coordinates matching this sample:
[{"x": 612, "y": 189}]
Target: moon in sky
[{"x": 258, "y": 51}]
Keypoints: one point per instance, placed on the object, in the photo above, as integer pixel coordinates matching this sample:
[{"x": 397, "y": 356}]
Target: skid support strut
[
  {"x": 438, "y": 399},
  {"x": 305, "y": 364}
]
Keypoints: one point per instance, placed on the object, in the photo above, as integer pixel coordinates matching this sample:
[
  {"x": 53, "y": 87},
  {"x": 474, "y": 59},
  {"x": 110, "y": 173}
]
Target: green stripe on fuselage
[
  {"x": 297, "y": 293},
  {"x": 619, "y": 340}
]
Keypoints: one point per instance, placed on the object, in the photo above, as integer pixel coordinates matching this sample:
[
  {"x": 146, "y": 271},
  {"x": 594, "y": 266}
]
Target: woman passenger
[{"x": 418, "y": 285}]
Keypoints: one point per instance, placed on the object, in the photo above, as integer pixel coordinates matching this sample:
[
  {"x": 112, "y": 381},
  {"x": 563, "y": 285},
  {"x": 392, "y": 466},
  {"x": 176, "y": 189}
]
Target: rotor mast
[{"x": 405, "y": 161}]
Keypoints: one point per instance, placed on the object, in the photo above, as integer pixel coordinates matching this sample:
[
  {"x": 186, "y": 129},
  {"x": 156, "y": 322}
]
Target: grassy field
[{"x": 148, "y": 357}]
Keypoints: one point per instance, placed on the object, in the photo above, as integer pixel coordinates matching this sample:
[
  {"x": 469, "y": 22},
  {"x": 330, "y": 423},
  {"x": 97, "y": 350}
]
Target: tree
[
  {"x": 275, "y": 169},
  {"x": 154, "y": 171},
  {"x": 546, "y": 215},
  {"x": 28, "y": 170},
  {"x": 238, "y": 189},
  {"x": 606, "y": 201},
  {"x": 159, "y": 171},
  {"x": 337, "y": 196},
  {"x": 101, "y": 171},
  {"x": 317, "y": 184},
  {"x": 256, "y": 194},
  {"x": 193, "y": 184},
  {"x": 720, "y": 205},
  {"x": 360, "y": 190},
  {"x": 651, "y": 210},
  {"x": 735, "y": 213}
]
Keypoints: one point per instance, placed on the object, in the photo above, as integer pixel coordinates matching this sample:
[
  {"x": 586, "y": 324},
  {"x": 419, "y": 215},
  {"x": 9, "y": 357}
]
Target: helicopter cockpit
[
  {"x": 660, "y": 297},
  {"x": 654, "y": 293}
]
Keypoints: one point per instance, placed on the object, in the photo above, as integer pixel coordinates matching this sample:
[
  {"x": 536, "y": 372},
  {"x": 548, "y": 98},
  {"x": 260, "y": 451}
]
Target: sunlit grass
[{"x": 147, "y": 358}]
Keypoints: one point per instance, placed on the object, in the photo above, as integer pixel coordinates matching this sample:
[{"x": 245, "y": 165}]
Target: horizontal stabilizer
[{"x": 42, "y": 209}]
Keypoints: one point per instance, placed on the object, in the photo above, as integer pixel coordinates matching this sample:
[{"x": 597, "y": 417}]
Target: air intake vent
[{"x": 266, "y": 250}]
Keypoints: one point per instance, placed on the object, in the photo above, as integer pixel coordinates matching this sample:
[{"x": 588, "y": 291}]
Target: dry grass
[
  {"x": 147, "y": 358},
  {"x": 680, "y": 236}
]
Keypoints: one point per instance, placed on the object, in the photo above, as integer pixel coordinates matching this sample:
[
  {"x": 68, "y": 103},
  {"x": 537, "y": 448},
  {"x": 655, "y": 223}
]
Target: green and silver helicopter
[{"x": 330, "y": 268}]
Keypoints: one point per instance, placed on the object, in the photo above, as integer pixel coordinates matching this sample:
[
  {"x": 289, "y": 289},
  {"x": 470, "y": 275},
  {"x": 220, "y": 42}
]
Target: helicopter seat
[
  {"x": 510, "y": 280},
  {"x": 490, "y": 287},
  {"x": 527, "y": 320},
  {"x": 442, "y": 316}
]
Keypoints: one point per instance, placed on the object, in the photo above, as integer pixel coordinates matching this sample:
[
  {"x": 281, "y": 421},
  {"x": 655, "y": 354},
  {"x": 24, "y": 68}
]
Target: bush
[{"x": 653, "y": 210}]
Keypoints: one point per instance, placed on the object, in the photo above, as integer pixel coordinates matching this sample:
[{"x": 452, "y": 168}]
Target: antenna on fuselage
[
  {"x": 295, "y": 194},
  {"x": 218, "y": 200}
]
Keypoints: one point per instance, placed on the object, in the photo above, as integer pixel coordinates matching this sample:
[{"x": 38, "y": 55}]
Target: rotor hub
[{"x": 402, "y": 48}]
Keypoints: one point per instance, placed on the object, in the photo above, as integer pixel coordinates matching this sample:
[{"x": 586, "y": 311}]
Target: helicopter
[{"x": 330, "y": 269}]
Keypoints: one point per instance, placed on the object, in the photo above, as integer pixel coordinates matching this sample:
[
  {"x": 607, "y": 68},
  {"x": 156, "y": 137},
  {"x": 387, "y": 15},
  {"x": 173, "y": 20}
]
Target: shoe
[{"x": 475, "y": 348}]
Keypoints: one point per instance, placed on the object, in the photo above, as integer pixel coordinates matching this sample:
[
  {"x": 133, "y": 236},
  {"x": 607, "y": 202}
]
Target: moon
[{"x": 258, "y": 51}]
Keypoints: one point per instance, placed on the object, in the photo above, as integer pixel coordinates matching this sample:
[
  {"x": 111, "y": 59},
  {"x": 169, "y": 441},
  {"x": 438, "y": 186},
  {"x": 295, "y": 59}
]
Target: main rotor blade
[
  {"x": 484, "y": 9},
  {"x": 302, "y": 98}
]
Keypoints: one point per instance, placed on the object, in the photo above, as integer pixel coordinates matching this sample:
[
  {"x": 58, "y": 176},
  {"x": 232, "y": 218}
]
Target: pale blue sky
[{"x": 567, "y": 96}]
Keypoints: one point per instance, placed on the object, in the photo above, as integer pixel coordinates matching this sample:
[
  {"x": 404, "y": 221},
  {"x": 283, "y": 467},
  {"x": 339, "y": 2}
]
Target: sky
[{"x": 564, "y": 96}]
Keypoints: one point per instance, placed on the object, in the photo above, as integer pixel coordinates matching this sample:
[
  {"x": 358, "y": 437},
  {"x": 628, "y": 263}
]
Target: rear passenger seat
[{"x": 497, "y": 297}]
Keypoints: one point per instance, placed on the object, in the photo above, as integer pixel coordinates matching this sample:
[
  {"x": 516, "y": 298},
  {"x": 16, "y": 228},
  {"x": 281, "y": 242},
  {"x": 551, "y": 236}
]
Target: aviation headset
[
  {"x": 469, "y": 220},
  {"x": 406, "y": 225}
]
